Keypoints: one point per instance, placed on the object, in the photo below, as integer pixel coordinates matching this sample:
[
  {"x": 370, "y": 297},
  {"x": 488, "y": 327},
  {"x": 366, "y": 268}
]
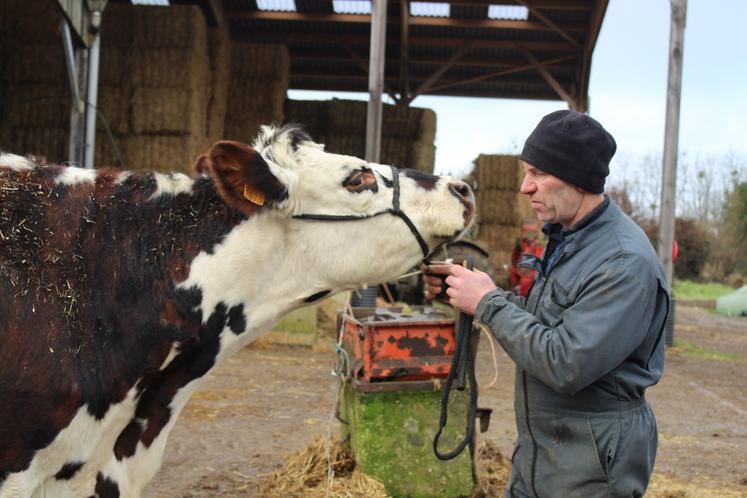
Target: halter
[{"x": 395, "y": 210}]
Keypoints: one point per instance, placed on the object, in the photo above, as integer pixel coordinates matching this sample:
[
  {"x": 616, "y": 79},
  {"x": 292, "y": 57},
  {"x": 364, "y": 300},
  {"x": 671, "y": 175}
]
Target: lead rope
[{"x": 462, "y": 364}]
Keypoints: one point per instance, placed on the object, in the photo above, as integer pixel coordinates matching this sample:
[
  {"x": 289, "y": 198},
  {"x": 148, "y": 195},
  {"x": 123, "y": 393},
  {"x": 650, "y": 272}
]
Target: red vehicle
[{"x": 520, "y": 279}]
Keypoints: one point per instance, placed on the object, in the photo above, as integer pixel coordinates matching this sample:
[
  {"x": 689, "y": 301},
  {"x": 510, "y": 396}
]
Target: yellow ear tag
[{"x": 254, "y": 196}]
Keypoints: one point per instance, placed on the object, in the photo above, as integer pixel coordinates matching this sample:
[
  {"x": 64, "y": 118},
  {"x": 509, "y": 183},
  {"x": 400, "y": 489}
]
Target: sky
[{"x": 627, "y": 90}]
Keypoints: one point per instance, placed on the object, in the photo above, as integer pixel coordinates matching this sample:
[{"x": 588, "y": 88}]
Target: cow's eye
[{"x": 360, "y": 180}]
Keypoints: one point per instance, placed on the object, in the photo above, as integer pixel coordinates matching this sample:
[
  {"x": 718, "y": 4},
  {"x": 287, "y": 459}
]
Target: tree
[{"x": 734, "y": 229}]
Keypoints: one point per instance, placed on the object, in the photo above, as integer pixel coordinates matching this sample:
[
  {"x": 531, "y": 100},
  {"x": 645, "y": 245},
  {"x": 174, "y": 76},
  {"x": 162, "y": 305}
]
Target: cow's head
[{"x": 285, "y": 175}]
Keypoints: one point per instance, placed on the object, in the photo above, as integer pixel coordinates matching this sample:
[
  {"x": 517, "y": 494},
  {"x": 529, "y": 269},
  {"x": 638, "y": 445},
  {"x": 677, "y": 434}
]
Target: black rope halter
[{"x": 395, "y": 210}]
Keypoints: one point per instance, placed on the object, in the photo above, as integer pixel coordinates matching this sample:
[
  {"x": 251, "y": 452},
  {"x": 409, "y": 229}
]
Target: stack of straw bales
[
  {"x": 407, "y": 132},
  {"x": 501, "y": 207},
  {"x": 155, "y": 86},
  {"x": 257, "y": 88},
  {"x": 34, "y": 97}
]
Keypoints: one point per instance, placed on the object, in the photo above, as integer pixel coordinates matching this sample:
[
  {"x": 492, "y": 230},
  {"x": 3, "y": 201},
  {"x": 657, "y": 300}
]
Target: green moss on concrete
[{"x": 392, "y": 437}]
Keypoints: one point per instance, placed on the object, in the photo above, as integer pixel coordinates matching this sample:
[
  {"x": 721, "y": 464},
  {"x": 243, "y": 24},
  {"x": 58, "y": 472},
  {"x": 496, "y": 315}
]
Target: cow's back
[{"x": 88, "y": 267}]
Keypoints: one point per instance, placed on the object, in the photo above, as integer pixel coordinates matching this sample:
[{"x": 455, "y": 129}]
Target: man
[{"x": 587, "y": 339}]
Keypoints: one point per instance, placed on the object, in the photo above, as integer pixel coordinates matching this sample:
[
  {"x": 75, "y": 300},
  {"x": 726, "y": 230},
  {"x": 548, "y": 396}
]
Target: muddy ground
[{"x": 265, "y": 402}]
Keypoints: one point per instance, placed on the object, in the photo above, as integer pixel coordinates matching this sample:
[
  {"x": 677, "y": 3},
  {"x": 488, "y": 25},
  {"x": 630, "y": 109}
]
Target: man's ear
[{"x": 241, "y": 176}]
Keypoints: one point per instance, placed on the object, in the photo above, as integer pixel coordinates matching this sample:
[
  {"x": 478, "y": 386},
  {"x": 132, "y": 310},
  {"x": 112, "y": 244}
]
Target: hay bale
[
  {"x": 348, "y": 116},
  {"x": 312, "y": 114},
  {"x": 261, "y": 62},
  {"x": 498, "y": 237},
  {"x": 401, "y": 121},
  {"x": 170, "y": 68},
  {"x": 161, "y": 152},
  {"x": 117, "y": 26},
  {"x": 37, "y": 63},
  {"x": 502, "y": 207},
  {"x": 249, "y": 97},
  {"x": 167, "y": 110},
  {"x": 51, "y": 143},
  {"x": 350, "y": 145},
  {"x": 245, "y": 127},
  {"x": 33, "y": 22},
  {"x": 178, "y": 26},
  {"x": 498, "y": 172},
  {"x": 38, "y": 105},
  {"x": 114, "y": 66},
  {"x": 105, "y": 155},
  {"x": 256, "y": 93},
  {"x": 423, "y": 156},
  {"x": 113, "y": 104},
  {"x": 427, "y": 127},
  {"x": 219, "y": 55}
]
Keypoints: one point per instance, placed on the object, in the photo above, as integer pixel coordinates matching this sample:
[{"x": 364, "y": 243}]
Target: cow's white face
[
  {"x": 370, "y": 250},
  {"x": 274, "y": 262}
]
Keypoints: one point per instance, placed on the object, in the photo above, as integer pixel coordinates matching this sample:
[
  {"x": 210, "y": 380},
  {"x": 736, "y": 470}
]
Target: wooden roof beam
[
  {"x": 498, "y": 74},
  {"x": 256, "y": 36},
  {"x": 261, "y": 15},
  {"x": 404, "y": 53},
  {"x": 537, "y": 4},
  {"x": 364, "y": 67},
  {"x": 455, "y": 57},
  {"x": 213, "y": 11},
  {"x": 562, "y": 31},
  {"x": 540, "y": 68},
  {"x": 301, "y": 54},
  {"x": 584, "y": 69}
]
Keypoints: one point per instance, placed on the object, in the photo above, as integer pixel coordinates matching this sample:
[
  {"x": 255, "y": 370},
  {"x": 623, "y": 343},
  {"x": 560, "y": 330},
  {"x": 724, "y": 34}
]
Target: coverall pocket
[
  {"x": 567, "y": 460},
  {"x": 605, "y": 435}
]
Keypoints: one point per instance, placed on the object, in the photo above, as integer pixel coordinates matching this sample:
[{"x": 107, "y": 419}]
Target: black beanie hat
[{"x": 572, "y": 146}]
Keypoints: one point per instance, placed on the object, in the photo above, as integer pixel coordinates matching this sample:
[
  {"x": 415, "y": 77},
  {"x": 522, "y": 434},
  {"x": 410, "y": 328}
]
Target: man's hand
[{"x": 465, "y": 287}]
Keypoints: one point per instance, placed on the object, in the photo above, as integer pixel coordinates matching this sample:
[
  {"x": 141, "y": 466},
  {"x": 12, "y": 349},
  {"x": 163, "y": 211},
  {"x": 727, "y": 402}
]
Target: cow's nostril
[{"x": 461, "y": 190}]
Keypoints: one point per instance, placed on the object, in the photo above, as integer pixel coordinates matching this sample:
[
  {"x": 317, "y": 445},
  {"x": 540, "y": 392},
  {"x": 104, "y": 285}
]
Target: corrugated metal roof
[
  {"x": 277, "y": 5},
  {"x": 429, "y": 9},
  {"x": 351, "y": 6},
  {"x": 514, "y": 12},
  {"x": 456, "y": 47}
]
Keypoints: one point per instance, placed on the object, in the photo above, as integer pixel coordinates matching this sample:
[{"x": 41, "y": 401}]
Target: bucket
[{"x": 364, "y": 298}]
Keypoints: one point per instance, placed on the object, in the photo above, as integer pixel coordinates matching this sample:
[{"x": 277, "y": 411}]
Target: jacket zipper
[{"x": 526, "y": 398}]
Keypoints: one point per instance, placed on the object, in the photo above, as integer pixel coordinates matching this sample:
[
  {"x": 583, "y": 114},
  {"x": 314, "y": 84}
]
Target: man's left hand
[{"x": 465, "y": 287}]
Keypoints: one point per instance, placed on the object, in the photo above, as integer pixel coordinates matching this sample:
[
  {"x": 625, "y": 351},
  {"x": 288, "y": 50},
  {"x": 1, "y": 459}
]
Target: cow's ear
[{"x": 242, "y": 177}]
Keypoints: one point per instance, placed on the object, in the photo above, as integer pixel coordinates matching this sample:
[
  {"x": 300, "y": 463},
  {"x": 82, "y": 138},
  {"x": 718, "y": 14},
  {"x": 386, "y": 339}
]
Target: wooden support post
[
  {"x": 404, "y": 51},
  {"x": 376, "y": 80},
  {"x": 671, "y": 136}
]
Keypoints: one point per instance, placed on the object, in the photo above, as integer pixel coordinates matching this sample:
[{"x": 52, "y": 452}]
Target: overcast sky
[{"x": 627, "y": 89}]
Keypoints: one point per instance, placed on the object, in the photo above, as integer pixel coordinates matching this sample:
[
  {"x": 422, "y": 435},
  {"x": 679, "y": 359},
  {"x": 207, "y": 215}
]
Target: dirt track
[{"x": 264, "y": 403}]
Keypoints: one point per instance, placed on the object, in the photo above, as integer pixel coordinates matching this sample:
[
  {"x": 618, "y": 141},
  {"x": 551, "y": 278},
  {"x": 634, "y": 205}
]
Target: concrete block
[{"x": 391, "y": 434}]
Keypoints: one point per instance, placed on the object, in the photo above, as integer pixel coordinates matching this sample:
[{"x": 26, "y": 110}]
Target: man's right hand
[
  {"x": 464, "y": 287},
  {"x": 434, "y": 281}
]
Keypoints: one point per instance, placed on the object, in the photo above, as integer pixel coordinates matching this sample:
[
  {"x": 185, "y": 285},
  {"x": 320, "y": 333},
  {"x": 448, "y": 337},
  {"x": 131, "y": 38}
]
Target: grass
[
  {"x": 691, "y": 350},
  {"x": 687, "y": 290}
]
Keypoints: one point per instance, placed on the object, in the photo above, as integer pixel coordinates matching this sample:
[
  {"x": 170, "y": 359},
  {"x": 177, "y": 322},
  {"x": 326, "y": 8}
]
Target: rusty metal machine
[
  {"x": 387, "y": 345},
  {"x": 393, "y": 365}
]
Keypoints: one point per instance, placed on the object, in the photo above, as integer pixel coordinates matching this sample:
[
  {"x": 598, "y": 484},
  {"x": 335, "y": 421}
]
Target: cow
[{"x": 120, "y": 291}]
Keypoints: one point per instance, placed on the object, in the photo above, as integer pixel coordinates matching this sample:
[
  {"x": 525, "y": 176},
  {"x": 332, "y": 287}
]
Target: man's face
[{"x": 554, "y": 200}]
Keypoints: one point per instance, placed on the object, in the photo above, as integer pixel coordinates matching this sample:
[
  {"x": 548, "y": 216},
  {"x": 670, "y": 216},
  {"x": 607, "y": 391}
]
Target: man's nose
[{"x": 527, "y": 185}]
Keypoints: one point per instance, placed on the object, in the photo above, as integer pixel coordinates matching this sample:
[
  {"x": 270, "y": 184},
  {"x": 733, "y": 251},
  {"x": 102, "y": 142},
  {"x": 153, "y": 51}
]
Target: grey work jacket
[{"x": 586, "y": 343}]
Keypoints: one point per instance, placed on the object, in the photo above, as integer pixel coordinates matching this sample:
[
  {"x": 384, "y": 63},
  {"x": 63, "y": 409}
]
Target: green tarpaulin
[{"x": 734, "y": 304}]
